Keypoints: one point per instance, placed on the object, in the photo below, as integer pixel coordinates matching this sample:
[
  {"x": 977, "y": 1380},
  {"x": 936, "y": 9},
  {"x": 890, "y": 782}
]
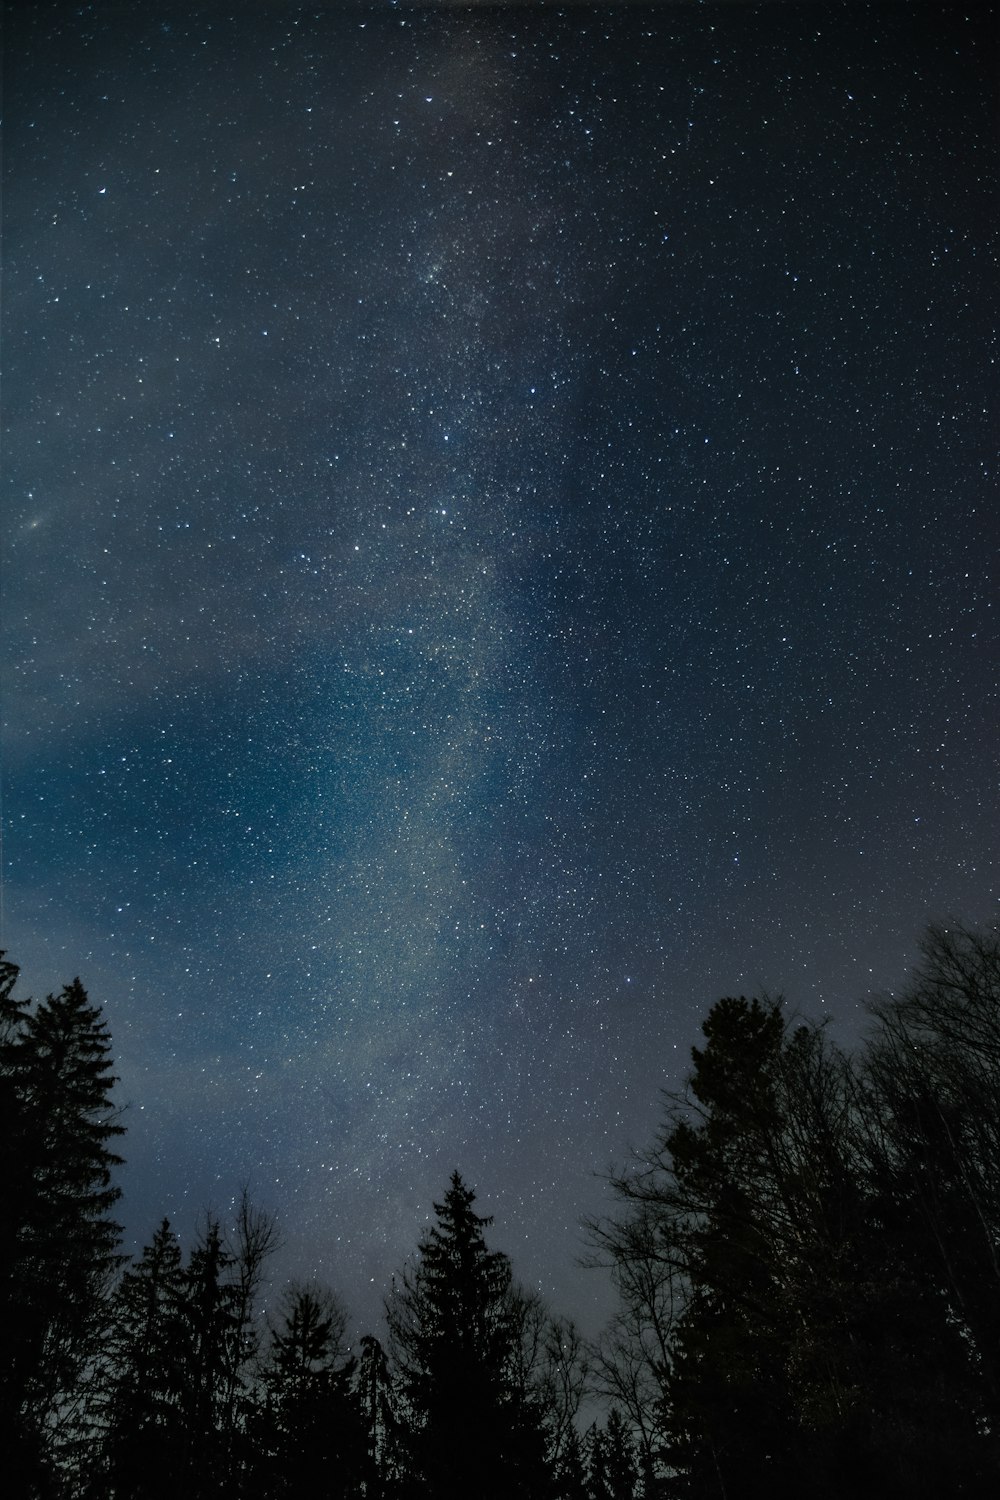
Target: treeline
[
  {"x": 807, "y": 1261},
  {"x": 808, "y": 1258},
  {"x": 160, "y": 1377}
]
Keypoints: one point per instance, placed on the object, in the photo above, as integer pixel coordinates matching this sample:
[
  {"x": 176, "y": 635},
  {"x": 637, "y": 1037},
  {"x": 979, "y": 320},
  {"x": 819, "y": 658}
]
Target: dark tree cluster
[
  {"x": 808, "y": 1262},
  {"x": 809, "y": 1256},
  {"x": 58, "y": 1241}
]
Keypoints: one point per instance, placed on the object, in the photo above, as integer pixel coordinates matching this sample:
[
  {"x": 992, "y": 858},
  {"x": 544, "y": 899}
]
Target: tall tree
[
  {"x": 806, "y": 1257},
  {"x": 569, "y": 1480},
  {"x": 456, "y": 1346},
  {"x": 20, "y": 1438},
  {"x": 210, "y": 1330},
  {"x": 931, "y": 1115},
  {"x": 377, "y": 1404},
  {"x": 176, "y": 1391},
  {"x": 140, "y": 1406},
  {"x": 311, "y": 1422},
  {"x": 613, "y": 1472},
  {"x": 59, "y": 1243}
]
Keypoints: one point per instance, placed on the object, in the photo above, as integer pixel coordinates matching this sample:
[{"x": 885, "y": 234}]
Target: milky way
[{"x": 499, "y": 515}]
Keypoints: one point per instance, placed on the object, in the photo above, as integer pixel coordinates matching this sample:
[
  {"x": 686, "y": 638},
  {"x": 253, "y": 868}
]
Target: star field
[{"x": 500, "y": 515}]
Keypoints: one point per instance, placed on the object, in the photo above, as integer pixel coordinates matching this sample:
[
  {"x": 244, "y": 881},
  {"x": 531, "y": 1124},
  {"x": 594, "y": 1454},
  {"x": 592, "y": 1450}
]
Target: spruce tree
[
  {"x": 620, "y": 1468},
  {"x": 58, "y": 1245},
  {"x": 211, "y": 1327},
  {"x": 311, "y": 1420},
  {"x": 808, "y": 1258},
  {"x": 570, "y": 1474},
  {"x": 377, "y": 1404},
  {"x": 471, "y": 1431},
  {"x": 146, "y": 1377},
  {"x": 178, "y": 1387}
]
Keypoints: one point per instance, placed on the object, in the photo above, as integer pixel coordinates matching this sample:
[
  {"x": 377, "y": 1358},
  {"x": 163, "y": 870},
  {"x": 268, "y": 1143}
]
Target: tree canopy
[
  {"x": 807, "y": 1258},
  {"x": 807, "y": 1255}
]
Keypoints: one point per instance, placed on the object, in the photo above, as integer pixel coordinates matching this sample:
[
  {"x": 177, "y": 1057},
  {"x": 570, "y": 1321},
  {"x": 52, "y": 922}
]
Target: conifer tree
[
  {"x": 144, "y": 1389},
  {"x": 211, "y": 1327},
  {"x": 594, "y": 1463},
  {"x": 377, "y": 1406},
  {"x": 311, "y": 1422},
  {"x": 569, "y": 1480},
  {"x": 808, "y": 1260},
  {"x": 19, "y": 1439},
  {"x": 176, "y": 1392},
  {"x": 620, "y": 1469},
  {"x": 58, "y": 1245},
  {"x": 457, "y": 1353}
]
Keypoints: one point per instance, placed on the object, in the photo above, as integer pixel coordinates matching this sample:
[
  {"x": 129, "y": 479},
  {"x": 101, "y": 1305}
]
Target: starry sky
[{"x": 498, "y": 537}]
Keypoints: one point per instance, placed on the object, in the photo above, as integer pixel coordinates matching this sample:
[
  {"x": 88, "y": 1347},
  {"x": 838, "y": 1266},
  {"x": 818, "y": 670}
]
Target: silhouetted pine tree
[
  {"x": 58, "y": 1244},
  {"x": 808, "y": 1257},
  {"x": 175, "y": 1391},
  {"x": 140, "y": 1407},
  {"x": 211, "y": 1330},
  {"x": 612, "y": 1471},
  {"x": 593, "y": 1462},
  {"x": 621, "y": 1473},
  {"x": 310, "y": 1426},
  {"x": 19, "y": 1438},
  {"x": 457, "y": 1353},
  {"x": 570, "y": 1478},
  {"x": 377, "y": 1405},
  {"x": 733, "y": 1405}
]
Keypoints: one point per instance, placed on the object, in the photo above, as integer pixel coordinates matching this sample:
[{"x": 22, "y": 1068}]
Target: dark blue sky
[{"x": 499, "y": 527}]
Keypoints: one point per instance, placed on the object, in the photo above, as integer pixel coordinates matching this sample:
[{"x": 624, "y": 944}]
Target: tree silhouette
[
  {"x": 612, "y": 1470},
  {"x": 807, "y": 1255},
  {"x": 58, "y": 1246},
  {"x": 140, "y": 1407},
  {"x": 455, "y": 1344},
  {"x": 175, "y": 1390},
  {"x": 311, "y": 1422},
  {"x": 808, "y": 1263},
  {"x": 569, "y": 1480},
  {"x": 376, "y": 1397}
]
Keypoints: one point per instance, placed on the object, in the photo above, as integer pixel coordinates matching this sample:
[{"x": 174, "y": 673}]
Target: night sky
[{"x": 500, "y": 510}]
